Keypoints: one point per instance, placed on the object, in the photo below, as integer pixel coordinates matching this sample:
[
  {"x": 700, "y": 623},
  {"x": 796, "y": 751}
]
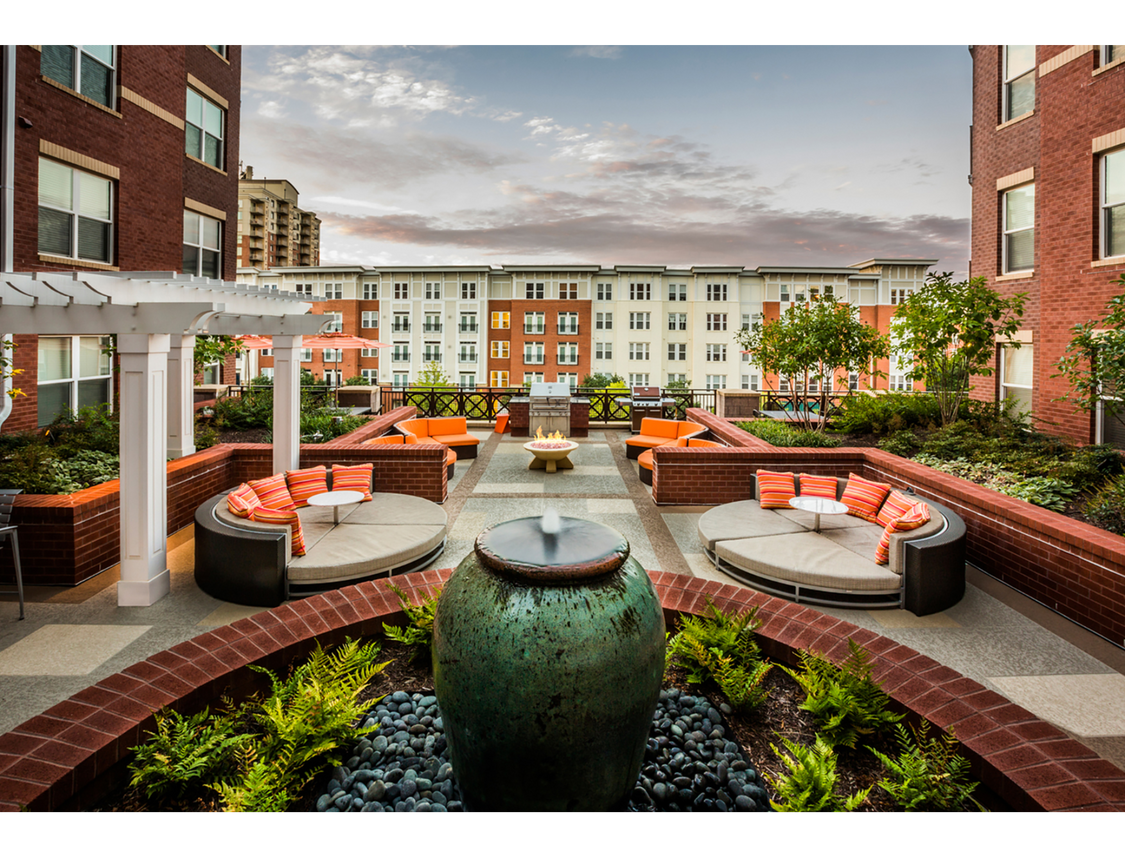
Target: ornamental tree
[
  {"x": 209, "y": 350},
  {"x": 1094, "y": 360},
  {"x": 947, "y": 332},
  {"x": 813, "y": 345}
]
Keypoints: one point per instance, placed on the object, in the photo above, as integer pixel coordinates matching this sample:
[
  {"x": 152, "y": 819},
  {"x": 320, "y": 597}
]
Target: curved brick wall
[{"x": 47, "y": 763}]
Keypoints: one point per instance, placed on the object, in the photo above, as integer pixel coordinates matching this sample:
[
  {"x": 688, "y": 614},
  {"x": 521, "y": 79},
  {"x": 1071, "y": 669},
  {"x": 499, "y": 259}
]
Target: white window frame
[
  {"x": 205, "y": 129},
  {"x": 568, "y": 290},
  {"x": 717, "y": 292},
  {"x": 1005, "y": 385},
  {"x": 368, "y": 319},
  {"x": 431, "y": 353},
  {"x": 498, "y": 379},
  {"x": 716, "y": 322},
  {"x": 400, "y": 353},
  {"x": 333, "y": 290},
  {"x": 716, "y": 382},
  {"x": 533, "y": 289},
  {"x": 400, "y": 379},
  {"x": 1011, "y": 78},
  {"x": 369, "y": 353},
  {"x": 468, "y": 380},
  {"x": 372, "y": 375},
  {"x": 331, "y": 355},
  {"x": 401, "y": 290},
  {"x": 639, "y": 351},
  {"x": 468, "y": 290},
  {"x": 568, "y": 322},
  {"x": 336, "y": 326},
  {"x": 79, "y": 52},
  {"x": 638, "y": 379},
  {"x": 78, "y": 178},
  {"x": 603, "y": 351},
  {"x": 716, "y": 352},
  {"x": 1111, "y": 205},
  {"x": 370, "y": 290},
  {"x": 305, "y": 289},
  {"x": 500, "y": 349},
  {"x": 501, "y": 320},
  {"x": 467, "y": 353},
  {"x": 899, "y": 292},
  {"x": 535, "y": 322},
  {"x": 640, "y": 291},
  {"x": 400, "y": 323},
  {"x": 568, "y": 378},
  {"x": 568, "y": 354},
  {"x": 677, "y": 292},
  {"x": 431, "y": 323},
  {"x": 74, "y": 368},
  {"x": 640, "y": 320},
  {"x": 604, "y": 291},
  {"x": 468, "y": 324},
  {"x": 677, "y": 322},
  {"x": 1010, "y": 232},
  {"x": 533, "y": 353},
  {"x": 603, "y": 320},
  {"x": 677, "y": 351},
  {"x": 431, "y": 290}
]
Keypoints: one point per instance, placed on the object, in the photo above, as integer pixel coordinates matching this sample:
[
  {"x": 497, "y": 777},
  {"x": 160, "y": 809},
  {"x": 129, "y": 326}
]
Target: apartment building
[
  {"x": 121, "y": 159},
  {"x": 650, "y": 324},
  {"x": 272, "y": 230},
  {"x": 1048, "y": 219}
]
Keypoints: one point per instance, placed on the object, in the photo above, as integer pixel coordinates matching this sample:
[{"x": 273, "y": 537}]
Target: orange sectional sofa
[
  {"x": 644, "y": 459},
  {"x": 656, "y": 432},
  {"x": 450, "y": 431},
  {"x": 400, "y": 439}
]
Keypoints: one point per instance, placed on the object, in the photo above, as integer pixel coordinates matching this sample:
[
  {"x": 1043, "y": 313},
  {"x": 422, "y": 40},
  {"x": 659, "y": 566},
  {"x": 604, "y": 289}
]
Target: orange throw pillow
[
  {"x": 775, "y": 489},
  {"x": 896, "y": 505},
  {"x": 355, "y": 478},
  {"x": 864, "y": 497},
  {"x": 273, "y": 493},
  {"x": 915, "y": 517},
  {"x": 305, "y": 483},
  {"x": 267, "y": 516},
  {"x": 818, "y": 486},
  {"x": 242, "y": 501}
]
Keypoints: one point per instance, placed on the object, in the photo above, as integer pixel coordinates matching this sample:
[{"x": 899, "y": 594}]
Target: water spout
[{"x": 551, "y": 523}]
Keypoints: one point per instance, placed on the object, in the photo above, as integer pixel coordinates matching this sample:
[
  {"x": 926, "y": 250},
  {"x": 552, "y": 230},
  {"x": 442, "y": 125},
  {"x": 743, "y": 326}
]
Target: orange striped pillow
[
  {"x": 775, "y": 489},
  {"x": 267, "y": 516},
  {"x": 305, "y": 483},
  {"x": 864, "y": 497},
  {"x": 915, "y": 517},
  {"x": 357, "y": 478},
  {"x": 242, "y": 501},
  {"x": 818, "y": 486},
  {"x": 273, "y": 493},
  {"x": 896, "y": 505}
]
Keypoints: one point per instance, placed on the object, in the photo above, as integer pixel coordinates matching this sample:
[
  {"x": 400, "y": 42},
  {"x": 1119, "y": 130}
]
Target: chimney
[{"x": 248, "y": 172}]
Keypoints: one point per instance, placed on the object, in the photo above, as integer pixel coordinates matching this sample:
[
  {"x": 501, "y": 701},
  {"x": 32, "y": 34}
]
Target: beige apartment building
[{"x": 272, "y": 230}]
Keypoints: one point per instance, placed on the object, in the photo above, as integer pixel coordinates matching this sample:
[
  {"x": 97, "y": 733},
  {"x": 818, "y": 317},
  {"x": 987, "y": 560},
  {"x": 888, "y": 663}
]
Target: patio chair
[{"x": 7, "y": 503}]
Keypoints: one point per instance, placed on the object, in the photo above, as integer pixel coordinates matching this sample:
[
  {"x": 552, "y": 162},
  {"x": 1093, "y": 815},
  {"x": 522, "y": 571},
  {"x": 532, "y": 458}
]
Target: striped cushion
[
  {"x": 267, "y": 516},
  {"x": 915, "y": 517},
  {"x": 305, "y": 483},
  {"x": 896, "y": 505},
  {"x": 273, "y": 493},
  {"x": 357, "y": 478},
  {"x": 864, "y": 497},
  {"x": 775, "y": 489},
  {"x": 242, "y": 501},
  {"x": 818, "y": 486}
]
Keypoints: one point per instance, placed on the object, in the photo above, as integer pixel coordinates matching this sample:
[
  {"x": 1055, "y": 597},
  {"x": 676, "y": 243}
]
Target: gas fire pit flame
[{"x": 555, "y": 437}]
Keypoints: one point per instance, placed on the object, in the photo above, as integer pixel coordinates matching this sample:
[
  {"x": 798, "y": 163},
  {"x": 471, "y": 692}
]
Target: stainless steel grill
[
  {"x": 549, "y": 408},
  {"x": 646, "y": 402}
]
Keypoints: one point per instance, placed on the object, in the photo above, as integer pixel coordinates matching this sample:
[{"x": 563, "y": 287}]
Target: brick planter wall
[
  {"x": 1073, "y": 568},
  {"x": 63, "y": 758}
]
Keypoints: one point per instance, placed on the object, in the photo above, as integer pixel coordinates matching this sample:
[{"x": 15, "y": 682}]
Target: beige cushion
[
  {"x": 896, "y": 559},
  {"x": 809, "y": 559},
  {"x": 390, "y": 508},
  {"x": 828, "y": 521},
  {"x": 741, "y": 519},
  {"x": 861, "y": 540},
  {"x": 354, "y": 551}
]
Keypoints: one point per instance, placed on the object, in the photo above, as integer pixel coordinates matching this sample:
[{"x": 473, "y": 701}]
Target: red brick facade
[
  {"x": 144, "y": 141},
  {"x": 1075, "y": 103}
]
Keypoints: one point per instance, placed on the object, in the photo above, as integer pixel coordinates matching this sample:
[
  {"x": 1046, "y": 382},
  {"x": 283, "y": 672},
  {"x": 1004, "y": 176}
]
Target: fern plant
[
  {"x": 810, "y": 785},
  {"x": 419, "y": 633},
  {"x": 843, "y": 699},
  {"x": 722, "y": 648},
  {"x": 927, "y": 775},
  {"x": 185, "y": 752}
]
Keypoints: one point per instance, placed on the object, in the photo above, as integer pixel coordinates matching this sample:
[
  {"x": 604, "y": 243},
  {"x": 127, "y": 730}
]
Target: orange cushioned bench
[
  {"x": 399, "y": 439},
  {"x": 451, "y": 431},
  {"x": 656, "y": 432},
  {"x": 644, "y": 459}
]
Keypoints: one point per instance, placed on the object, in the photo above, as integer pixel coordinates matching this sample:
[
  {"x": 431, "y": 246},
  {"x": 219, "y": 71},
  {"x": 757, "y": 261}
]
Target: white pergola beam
[{"x": 181, "y": 396}]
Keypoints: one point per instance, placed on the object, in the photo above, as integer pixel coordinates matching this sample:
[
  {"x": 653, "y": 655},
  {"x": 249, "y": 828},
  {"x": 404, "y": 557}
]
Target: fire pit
[{"x": 550, "y": 452}]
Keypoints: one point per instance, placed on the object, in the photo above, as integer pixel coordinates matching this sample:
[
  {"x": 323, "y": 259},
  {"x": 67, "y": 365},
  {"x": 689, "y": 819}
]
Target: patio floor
[{"x": 74, "y": 637}]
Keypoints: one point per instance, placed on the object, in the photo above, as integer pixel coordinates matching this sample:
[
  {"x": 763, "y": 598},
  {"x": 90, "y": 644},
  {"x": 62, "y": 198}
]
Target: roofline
[
  {"x": 643, "y": 268},
  {"x": 916, "y": 262},
  {"x": 822, "y": 270},
  {"x": 717, "y": 269},
  {"x": 522, "y": 268},
  {"x": 446, "y": 268}
]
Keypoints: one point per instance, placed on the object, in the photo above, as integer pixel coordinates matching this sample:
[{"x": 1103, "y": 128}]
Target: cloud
[
  {"x": 596, "y": 52},
  {"x": 913, "y": 163}
]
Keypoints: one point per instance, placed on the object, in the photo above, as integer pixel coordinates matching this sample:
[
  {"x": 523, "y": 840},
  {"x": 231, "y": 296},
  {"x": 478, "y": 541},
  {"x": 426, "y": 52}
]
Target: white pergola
[{"x": 156, "y": 317}]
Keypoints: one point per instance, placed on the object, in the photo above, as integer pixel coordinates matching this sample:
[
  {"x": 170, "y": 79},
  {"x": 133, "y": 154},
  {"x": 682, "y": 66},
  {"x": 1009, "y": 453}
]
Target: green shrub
[
  {"x": 845, "y": 702},
  {"x": 902, "y": 443},
  {"x": 206, "y": 436},
  {"x": 419, "y": 632},
  {"x": 185, "y": 753},
  {"x": 863, "y": 413},
  {"x": 782, "y": 435},
  {"x": 810, "y": 785},
  {"x": 927, "y": 775},
  {"x": 1106, "y": 508},
  {"x": 95, "y": 428},
  {"x": 1051, "y": 493}
]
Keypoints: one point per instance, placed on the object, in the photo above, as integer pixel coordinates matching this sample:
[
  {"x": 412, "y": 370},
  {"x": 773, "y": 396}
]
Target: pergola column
[
  {"x": 181, "y": 396},
  {"x": 144, "y": 474},
  {"x": 286, "y": 402}
]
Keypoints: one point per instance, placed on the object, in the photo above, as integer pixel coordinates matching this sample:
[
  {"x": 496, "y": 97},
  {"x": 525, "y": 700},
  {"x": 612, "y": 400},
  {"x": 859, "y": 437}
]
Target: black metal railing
[{"x": 782, "y": 401}]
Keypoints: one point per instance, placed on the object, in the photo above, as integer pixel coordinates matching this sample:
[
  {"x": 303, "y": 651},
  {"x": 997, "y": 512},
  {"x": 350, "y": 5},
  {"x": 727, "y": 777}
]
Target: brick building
[
  {"x": 1048, "y": 214},
  {"x": 272, "y": 230},
  {"x": 124, "y": 158}
]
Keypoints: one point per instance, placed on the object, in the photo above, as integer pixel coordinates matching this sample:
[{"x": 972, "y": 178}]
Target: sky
[{"x": 668, "y": 155}]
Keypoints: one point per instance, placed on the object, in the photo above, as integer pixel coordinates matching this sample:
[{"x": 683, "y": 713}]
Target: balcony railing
[
  {"x": 431, "y": 328},
  {"x": 468, "y": 328}
]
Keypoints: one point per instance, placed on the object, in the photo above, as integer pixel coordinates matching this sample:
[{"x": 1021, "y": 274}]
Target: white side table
[
  {"x": 335, "y": 500},
  {"x": 814, "y": 505}
]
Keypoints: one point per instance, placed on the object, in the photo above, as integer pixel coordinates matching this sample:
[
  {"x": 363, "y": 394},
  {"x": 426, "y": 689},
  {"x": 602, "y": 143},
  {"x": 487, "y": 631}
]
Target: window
[
  {"x": 85, "y": 68},
  {"x": 534, "y": 323},
  {"x": 401, "y": 379},
  {"x": 899, "y": 294},
  {"x": 498, "y": 378},
  {"x": 266, "y": 371},
  {"x": 639, "y": 320},
  {"x": 533, "y": 353},
  {"x": 853, "y": 381},
  {"x": 716, "y": 292},
  {"x": 639, "y": 291},
  {"x": 431, "y": 353},
  {"x": 400, "y": 353},
  {"x": 677, "y": 379},
  {"x": 750, "y": 321},
  {"x": 369, "y": 319},
  {"x": 716, "y": 351},
  {"x": 371, "y": 290},
  {"x": 638, "y": 351},
  {"x": 1110, "y": 53},
  {"x": 1019, "y": 229},
  {"x": 716, "y": 322},
  {"x": 331, "y": 355},
  {"x": 75, "y": 213},
  {"x": 203, "y": 132},
  {"x": 303, "y": 289},
  {"x": 73, "y": 373},
  {"x": 303, "y": 355},
  {"x": 369, "y": 353},
  {"x": 337, "y": 323},
  {"x": 716, "y": 382},
  {"x": 468, "y": 290},
  {"x": 638, "y": 379},
  {"x": 501, "y": 319},
  {"x": 221, "y": 49},
  {"x": 900, "y": 383},
  {"x": 604, "y": 291},
  {"x": 468, "y": 381},
  {"x": 431, "y": 290},
  {"x": 468, "y": 323},
  {"x": 568, "y": 354},
  {"x": 334, "y": 290},
  {"x": 432, "y": 324},
  {"x": 1017, "y": 368},
  {"x": 677, "y": 292},
  {"x": 568, "y": 290},
  {"x": 1113, "y": 204},
  {"x": 401, "y": 323},
  {"x": 603, "y": 351},
  {"x": 467, "y": 354},
  {"x": 499, "y": 348},
  {"x": 677, "y": 351},
  {"x": 533, "y": 290},
  {"x": 603, "y": 320},
  {"x": 402, "y": 290},
  {"x": 202, "y": 244},
  {"x": 568, "y": 378},
  {"x": 750, "y": 382},
  {"x": 1019, "y": 80},
  {"x": 371, "y": 376},
  {"x": 568, "y": 323},
  {"x": 677, "y": 322}
]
